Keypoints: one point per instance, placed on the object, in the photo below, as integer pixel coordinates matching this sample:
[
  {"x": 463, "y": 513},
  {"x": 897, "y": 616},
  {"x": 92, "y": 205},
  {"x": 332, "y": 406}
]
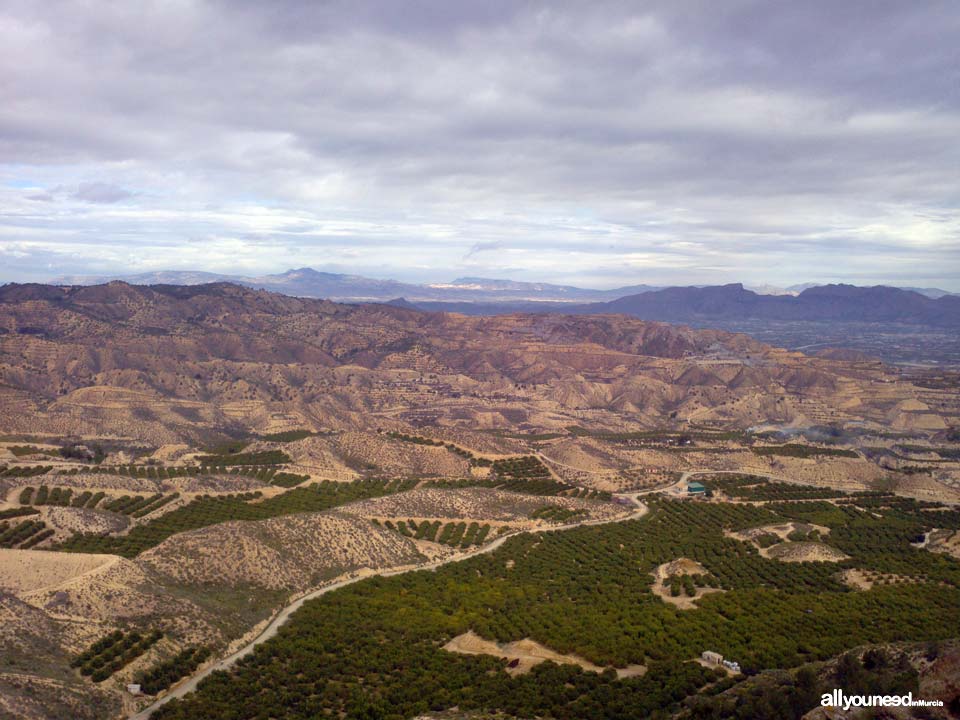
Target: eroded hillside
[{"x": 168, "y": 364}]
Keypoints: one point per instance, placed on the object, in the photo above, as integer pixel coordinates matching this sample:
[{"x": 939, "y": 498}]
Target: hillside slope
[{"x": 172, "y": 363}]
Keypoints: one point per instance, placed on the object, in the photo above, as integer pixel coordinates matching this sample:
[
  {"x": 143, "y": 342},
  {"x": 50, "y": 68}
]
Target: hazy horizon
[
  {"x": 599, "y": 145},
  {"x": 386, "y": 276}
]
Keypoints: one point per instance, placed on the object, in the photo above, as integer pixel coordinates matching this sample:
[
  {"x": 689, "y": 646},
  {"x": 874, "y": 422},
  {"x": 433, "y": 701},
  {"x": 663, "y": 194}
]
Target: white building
[{"x": 711, "y": 657}]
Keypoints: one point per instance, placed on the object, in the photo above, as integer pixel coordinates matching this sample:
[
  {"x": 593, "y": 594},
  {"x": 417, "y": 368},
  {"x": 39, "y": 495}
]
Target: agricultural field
[
  {"x": 17, "y": 512},
  {"x": 136, "y": 506},
  {"x": 589, "y": 592},
  {"x": 24, "y": 534},
  {"x": 24, "y": 471},
  {"x": 211, "y": 510},
  {"x": 112, "y": 653},
  {"x": 164, "y": 674},
  {"x": 453, "y": 534},
  {"x": 750, "y": 487}
]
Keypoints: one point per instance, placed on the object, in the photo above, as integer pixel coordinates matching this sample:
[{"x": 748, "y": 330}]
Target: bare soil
[
  {"x": 527, "y": 653},
  {"x": 680, "y": 566}
]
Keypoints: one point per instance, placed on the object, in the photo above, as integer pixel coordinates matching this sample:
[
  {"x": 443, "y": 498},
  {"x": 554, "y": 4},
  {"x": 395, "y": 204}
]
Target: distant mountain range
[
  {"x": 827, "y": 303},
  {"x": 708, "y": 306},
  {"x": 310, "y": 283},
  {"x": 898, "y": 325}
]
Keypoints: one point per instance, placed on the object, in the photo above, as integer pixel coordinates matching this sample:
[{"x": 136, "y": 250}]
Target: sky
[{"x": 594, "y": 143}]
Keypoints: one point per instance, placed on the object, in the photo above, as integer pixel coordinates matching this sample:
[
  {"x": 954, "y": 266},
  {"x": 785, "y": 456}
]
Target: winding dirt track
[{"x": 283, "y": 615}]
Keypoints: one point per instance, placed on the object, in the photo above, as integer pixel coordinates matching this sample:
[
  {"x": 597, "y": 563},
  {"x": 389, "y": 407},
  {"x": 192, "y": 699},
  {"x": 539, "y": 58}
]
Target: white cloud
[{"x": 561, "y": 141}]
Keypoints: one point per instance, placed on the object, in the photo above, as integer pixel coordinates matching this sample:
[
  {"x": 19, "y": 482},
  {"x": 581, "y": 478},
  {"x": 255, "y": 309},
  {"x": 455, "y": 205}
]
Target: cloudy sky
[{"x": 595, "y": 143}]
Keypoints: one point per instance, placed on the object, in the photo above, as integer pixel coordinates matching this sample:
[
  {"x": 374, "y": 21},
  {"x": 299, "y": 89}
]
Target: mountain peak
[{"x": 306, "y": 272}]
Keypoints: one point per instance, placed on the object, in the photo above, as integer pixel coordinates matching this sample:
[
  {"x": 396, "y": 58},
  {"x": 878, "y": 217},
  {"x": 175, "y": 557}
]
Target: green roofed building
[{"x": 695, "y": 488}]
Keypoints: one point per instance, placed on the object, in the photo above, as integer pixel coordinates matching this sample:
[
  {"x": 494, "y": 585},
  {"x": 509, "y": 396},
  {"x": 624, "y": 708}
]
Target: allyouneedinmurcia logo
[{"x": 840, "y": 699}]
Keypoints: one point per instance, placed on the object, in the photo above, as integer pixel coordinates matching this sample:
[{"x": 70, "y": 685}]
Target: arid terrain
[
  {"x": 178, "y": 464},
  {"x": 166, "y": 363}
]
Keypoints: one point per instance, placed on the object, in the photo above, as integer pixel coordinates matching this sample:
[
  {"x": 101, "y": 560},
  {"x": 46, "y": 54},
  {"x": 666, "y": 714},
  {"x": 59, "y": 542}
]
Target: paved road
[{"x": 283, "y": 615}]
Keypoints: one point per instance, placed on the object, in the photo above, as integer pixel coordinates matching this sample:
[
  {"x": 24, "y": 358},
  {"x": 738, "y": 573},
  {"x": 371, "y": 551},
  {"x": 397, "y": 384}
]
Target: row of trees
[
  {"x": 454, "y": 534},
  {"x": 288, "y": 436},
  {"x": 145, "y": 472},
  {"x": 17, "y": 512},
  {"x": 536, "y": 486},
  {"x": 46, "y": 496},
  {"x": 262, "y": 466},
  {"x": 415, "y": 439},
  {"x": 25, "y": 471},
  {"x": 164, "y": 674},
  {"x": 802, "y": 451},
  {"x": 139, "y": 506},
  {"x": 25, "y": 534},
  {"x": 88, "y": 499},
  {"x": 114, "y": 652}
]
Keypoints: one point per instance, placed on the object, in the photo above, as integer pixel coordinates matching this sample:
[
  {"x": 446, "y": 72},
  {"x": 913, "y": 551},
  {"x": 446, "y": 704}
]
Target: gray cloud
[
  {"x": 582, "y": 142},
  {"x": 98, "y": 192}
]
